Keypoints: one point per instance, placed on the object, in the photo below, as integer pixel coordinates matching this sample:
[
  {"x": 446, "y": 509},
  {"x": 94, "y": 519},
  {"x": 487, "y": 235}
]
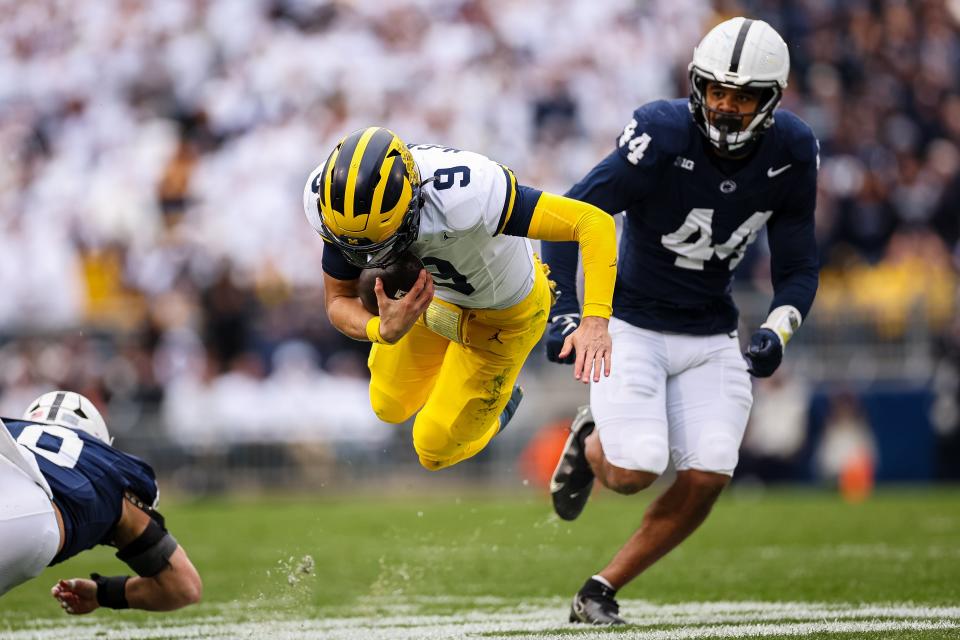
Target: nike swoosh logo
[{"x": 773, "y": 173}]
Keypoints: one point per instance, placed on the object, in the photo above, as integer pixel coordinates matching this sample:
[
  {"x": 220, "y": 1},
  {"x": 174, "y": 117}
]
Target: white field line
[{"x": 543, "y": 620}]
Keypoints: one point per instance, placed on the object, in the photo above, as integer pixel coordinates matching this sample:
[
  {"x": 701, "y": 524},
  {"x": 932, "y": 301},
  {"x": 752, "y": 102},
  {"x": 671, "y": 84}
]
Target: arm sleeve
[
  {"x": 613, "y": 185},
  {"x": 336, "y": 266},
  {"x": 794, "y": 260},
  {"x": 563, "y": 257},
  {"x": 558, "y": 218}
]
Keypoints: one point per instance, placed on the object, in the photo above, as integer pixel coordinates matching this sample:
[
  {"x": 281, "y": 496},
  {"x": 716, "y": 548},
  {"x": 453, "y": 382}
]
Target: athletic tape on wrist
[{"x": 784, "y": 321}]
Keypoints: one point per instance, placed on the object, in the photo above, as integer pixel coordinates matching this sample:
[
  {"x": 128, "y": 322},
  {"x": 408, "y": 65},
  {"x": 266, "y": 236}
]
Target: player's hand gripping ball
[{"x": 398, "y": 277}]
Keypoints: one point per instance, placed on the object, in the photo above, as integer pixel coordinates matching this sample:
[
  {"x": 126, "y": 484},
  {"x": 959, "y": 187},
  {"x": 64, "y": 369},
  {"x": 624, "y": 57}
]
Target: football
[{"x": 398, "y": 277}]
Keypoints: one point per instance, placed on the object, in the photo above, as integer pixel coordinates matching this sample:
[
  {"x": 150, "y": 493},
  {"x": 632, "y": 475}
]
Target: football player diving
[
  {"x": 65, "y": 490},
  {"x": 698, "y": 180},
  {"x": 451, "y": 349}
]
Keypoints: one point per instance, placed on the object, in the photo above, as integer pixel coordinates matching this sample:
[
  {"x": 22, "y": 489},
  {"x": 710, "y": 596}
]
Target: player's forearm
[
  {"x": 558, "y": 219},
  {"x": 176, "y": 586},
  {"x": 796, "y": 289},
  {"x": 563, "y": 258},
  {"x": 348, "y": 316}
]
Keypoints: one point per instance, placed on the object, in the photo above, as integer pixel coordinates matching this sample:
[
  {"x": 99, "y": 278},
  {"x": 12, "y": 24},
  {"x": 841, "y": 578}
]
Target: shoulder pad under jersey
[
  {"x": 797, "y": 136},
  {"x": 668, "y": 122}
]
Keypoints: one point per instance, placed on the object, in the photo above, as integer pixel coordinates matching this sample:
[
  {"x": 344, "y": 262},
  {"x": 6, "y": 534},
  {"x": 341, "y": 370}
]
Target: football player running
[
  {"x": 65, "y": 490},
  {"x": 698, "y": 180},
  {"x": 451, "y": 349}
]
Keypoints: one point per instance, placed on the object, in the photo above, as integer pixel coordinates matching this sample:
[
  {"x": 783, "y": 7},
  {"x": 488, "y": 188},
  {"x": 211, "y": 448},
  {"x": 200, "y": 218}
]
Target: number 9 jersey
[{"x": 468, "y": 203}]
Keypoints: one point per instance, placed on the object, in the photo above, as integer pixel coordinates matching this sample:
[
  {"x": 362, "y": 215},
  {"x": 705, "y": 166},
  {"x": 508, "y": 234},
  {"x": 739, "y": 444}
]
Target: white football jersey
[{"x": 465, "y": 205}]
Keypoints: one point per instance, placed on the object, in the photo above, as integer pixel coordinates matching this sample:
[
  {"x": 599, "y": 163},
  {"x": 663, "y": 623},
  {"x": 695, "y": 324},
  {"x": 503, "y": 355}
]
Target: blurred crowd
[{"x": 153, "y": 252}]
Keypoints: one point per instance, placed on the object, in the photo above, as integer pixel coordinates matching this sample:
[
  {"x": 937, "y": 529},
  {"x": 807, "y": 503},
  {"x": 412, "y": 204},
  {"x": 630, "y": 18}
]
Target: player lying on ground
[
  {"x": 65, "y": 490},
  {"x": 698, "y": 180},
  {"x": 451, "y": 349}
]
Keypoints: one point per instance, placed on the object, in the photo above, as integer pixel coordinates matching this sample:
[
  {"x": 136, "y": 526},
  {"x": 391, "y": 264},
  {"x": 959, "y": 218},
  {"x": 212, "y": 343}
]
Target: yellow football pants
[{"x": 459, "y": 389}]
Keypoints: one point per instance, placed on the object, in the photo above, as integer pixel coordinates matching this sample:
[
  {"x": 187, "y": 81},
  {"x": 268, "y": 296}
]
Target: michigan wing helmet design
[
  {"x": 71, "y": 410},
  {"x": 742, "y": 54},
  {"x": 365, "y": 199}
]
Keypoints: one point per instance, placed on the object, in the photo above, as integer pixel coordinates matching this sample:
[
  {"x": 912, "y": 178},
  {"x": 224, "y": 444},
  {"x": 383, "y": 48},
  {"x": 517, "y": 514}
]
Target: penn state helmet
[
  {"x": 739, "y": 53},
  {"x": 69, "y": 409}
]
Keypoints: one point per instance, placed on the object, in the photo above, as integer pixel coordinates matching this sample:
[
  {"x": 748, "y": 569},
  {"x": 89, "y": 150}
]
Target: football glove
[
  {"x": 559, "y": 328},
  {"x": 764, "y": 353}
]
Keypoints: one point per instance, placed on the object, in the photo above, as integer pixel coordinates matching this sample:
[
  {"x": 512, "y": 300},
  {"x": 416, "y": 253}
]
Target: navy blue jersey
[
  {"x": 88, "y": 479},
  {"x": 688, "y": 222}
]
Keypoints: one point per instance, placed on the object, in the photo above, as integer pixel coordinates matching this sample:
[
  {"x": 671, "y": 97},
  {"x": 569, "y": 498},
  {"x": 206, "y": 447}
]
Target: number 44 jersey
[
  {"x": 468, "y": 203},
  {"x": 87, "y": 477},
  {"x": 690, "y": 218}
]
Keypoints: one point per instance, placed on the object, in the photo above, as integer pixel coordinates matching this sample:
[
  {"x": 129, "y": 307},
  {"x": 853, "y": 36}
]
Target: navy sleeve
[
  {"x": 336, "y": 266},
  {"x": 618, "y": 182},
  {"x": 613, "y": 185},
  {"x": 562, "y": 258},
  {"x": 794, "y": 261},
  {"x": 526, "y": 202}
]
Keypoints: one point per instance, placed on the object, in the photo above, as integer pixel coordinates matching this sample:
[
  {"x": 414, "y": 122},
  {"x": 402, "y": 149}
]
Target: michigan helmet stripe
[
  {"x": 340, "y": 172},
  {"x": 353, "y": 173},
  {"x": 738, "y": 46},
  {"x": 395, "y": 183},
  {"x": 323, "y": 188},
  {"x": 329, "y": 189},
  {"x": 369, "y": 171},
  {"x": 399, "y": 207},
  {"x": 383, "y": 182}
]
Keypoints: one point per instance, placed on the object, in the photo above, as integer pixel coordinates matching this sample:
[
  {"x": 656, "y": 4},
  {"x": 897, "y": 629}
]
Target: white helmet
[
  {"x": 739, "y": 53},
  {"x": 69, "y": 409}
]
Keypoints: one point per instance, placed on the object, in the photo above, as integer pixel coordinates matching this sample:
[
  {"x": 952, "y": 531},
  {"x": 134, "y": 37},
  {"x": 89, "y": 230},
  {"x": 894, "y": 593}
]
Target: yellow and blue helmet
[{"x": 365, "y": 199}]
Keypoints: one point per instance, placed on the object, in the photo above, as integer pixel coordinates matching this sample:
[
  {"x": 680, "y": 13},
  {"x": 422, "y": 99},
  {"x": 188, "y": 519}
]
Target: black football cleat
[
  {"x": 507, "y": 414},
  {"x": 595, "y": 604},
  {"x": 572, "y": 480}
]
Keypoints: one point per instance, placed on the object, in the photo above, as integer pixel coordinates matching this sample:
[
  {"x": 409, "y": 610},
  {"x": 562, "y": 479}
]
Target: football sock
[
  {"x": 585, "y": 432},
  {"x": 597, "y": 586},
  {"x": 599, "y": 578}
]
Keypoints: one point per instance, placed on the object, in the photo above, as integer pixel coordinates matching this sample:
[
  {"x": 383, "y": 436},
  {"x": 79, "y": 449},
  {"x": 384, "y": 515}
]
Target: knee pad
[
  {"x": 388, "y": 408},
  {"x": 636, "y": 452},
  {"x": 432, "y": 442},
  {"x": 717, "y": 452}
]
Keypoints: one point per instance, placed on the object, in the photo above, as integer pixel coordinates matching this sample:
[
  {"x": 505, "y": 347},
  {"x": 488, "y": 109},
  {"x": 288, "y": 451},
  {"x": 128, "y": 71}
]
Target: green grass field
[{"x": 472, "y": 565}]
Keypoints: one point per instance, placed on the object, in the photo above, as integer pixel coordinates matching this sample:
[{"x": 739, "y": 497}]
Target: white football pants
[
  {"x": 29, "y": 535},
  {"x": 672, "y": 396}
]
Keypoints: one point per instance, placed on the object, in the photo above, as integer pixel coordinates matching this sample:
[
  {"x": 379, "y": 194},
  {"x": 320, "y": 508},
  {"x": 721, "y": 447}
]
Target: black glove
[
  {"x": 764, "y": 353},
  {"x": 559, "y": 328}
]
